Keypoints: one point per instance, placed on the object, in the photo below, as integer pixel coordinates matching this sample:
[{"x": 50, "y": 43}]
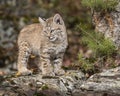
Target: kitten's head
[{"x": 53, "y": 28}]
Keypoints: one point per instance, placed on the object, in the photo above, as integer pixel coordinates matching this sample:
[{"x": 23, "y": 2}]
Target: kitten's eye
[
  {"x": 51, "y": 31},
  {"x": 59, "y": 30},
  {"x": 45, "y": 31},
  {"x": 44, "y": 19}
]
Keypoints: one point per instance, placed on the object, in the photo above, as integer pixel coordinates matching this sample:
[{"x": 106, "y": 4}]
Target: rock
[
  {"x": 73, "y": 83},
  {"x": 35, "y": 85},
  {"x": 106, "y": 82},
  {"x": 108, "y": 24}
]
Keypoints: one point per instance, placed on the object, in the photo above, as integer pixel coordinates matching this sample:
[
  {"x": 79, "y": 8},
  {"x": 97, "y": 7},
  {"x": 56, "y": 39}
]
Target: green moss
[{"x": 44, "y": 87}]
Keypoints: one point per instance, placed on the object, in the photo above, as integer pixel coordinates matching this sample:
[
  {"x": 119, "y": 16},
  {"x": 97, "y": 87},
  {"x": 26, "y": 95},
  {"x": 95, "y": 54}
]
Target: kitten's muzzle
[{"x": 52, "y": 38}]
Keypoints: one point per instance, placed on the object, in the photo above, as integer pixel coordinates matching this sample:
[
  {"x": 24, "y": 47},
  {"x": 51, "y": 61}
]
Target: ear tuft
[
  {"x": 41, "y": 21},
  {"x": 58, "y": 19}
]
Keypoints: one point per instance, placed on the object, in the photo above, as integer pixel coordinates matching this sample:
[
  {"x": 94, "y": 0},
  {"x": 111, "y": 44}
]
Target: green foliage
[
  {"x": 101, "y": 47},
  {"x": 98, "y": 43},
  {"x": 100, "y": 5},
  {"x": 85, "y": 64}
]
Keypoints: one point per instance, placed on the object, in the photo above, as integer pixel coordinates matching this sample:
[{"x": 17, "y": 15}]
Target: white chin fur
[{"x": 53, "y": 39}]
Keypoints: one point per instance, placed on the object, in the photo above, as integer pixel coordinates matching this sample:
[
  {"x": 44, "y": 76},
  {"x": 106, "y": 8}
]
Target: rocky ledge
[
  {"x": 73, "y": 83},
  {"x": 35, "y": 85},
  {"x": 107, "y": 81}
]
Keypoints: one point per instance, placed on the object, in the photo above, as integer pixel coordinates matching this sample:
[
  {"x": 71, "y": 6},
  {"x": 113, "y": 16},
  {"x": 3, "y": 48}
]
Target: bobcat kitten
[{"x": 48, "y": 40}]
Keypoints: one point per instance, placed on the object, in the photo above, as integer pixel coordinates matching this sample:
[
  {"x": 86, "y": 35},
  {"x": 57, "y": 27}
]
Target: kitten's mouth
[{"x": 52, "y": 38}]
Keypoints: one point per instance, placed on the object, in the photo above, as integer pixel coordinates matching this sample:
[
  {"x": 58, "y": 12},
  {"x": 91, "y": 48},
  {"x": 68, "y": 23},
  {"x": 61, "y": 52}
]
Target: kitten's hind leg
[{"x": 24, "y": 53}]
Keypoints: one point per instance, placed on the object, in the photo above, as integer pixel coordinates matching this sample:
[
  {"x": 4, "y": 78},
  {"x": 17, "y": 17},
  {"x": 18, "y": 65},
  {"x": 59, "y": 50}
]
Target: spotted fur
[{"x": 48, "y": 40}]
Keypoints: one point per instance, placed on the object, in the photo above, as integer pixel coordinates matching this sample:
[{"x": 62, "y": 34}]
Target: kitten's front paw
[
  {"x": 24, "y": 71},
  {"x": 59, "y": 72},
  {"x": 48, "y": 75}
]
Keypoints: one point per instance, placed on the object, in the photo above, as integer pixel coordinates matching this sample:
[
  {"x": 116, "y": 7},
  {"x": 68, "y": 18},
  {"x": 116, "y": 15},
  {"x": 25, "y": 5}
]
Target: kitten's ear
[
  {"x": 41, "y": 21},
  {"x": 58, "y": 19}
]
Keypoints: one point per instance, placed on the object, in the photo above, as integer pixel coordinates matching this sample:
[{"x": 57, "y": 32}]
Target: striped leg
[
  {"x": 58, "y": 65},
  {"x": 46, "y": 66},
  {"x": 24, "y": 53}
]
